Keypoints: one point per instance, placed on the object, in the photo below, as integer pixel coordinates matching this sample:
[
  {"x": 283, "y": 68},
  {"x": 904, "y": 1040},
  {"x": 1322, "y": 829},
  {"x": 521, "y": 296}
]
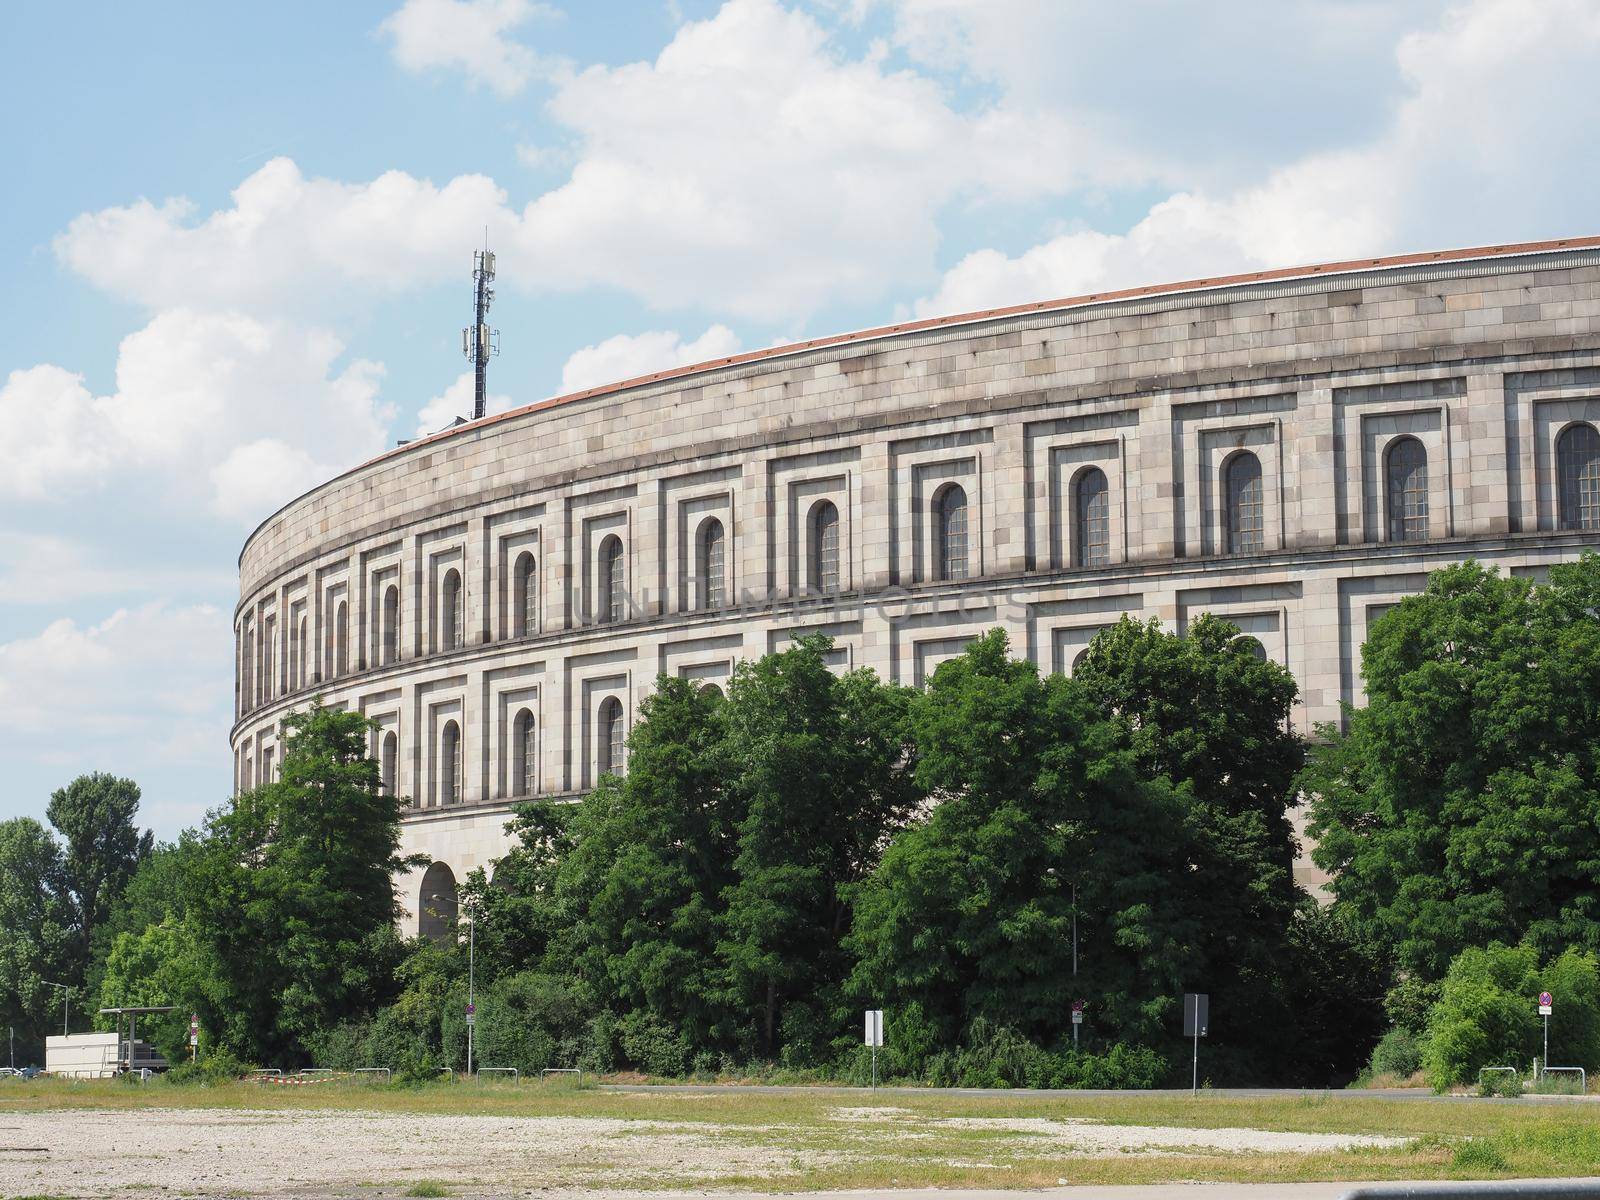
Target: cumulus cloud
[
  {"x": 1495, "y": 94},
  {"x": 456, "y": 401},
  {"x": 50, "y": 569},
  {"x": 469, "y": 36},
  {"x": 251, "y": 397},
  {"x": 287, "y": 243},
  {"x": 755, "y": 169},
  {"x": 147, "y": 685},
  {"x": 627, "y": 356}
]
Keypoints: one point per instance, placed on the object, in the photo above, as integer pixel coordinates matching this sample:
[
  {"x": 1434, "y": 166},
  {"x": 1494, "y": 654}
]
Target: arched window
[
  {"x": 293, "y": 660},
  {"x": 824, "y": 548},
  {"x": 1246, "y": 516},
  {"x": 450, "y": 764},
  {"x": 950, "y": 533},
  {"x": 524, "y": 597},
  {"x": 301, "y": 653},
  {"x": 1578, "y": 472},
  {"x": 1077, "y": 660},
  {"x": 248, "y": 683},
  {"x": 711, "y": 691},
  {"x": 1091, "y": 519},
  {"x": 389, "y": 761},
  {"x": 524, "y": 754},
  {"x": 709, "y": 566},
  {"x": 450, "y": 606},
  {"x": 612, "y": 581},
  {"x": 245, "y": 780},
  {"x": 391, "y": 622},
  {"x": 436, "y": 903},
  {"x": 269, "y": 647},
  {"x": 341, "y": 640},
  {"x": 1406, "y": 490},
  {"x": 612, "y": 736}
]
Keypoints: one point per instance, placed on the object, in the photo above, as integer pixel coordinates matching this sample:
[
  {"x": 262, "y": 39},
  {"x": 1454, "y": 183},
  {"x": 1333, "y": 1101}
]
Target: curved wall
[{"x": 1294, "y": 451}]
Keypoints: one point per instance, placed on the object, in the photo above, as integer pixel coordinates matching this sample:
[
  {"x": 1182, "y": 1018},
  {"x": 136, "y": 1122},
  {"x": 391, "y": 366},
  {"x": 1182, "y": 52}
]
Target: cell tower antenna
[{"x": 479, "y": 343}]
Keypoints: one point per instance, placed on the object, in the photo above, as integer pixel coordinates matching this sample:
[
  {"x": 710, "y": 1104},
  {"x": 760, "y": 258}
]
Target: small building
[{"x": 98, "y": 1055}]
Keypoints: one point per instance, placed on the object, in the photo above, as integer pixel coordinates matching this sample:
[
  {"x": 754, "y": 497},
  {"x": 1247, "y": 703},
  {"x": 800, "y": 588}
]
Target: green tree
[
  {"x": 821, "y": 776},
  {"x": 158, "y": 966},
  {"x": 1204, "y": 712},
  {"x": 35, "y": 931},
  {"x": 95, "y": 816},
  {"x": 293, "y": 901},
  {"x": 969, "y": 917},
  {"x": 1458, "y": 807}
]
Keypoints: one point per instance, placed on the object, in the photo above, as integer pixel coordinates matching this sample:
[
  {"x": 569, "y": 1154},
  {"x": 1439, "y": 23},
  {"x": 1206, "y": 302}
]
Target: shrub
[
  {"x": 1397, "y": 1054},
  {"x": 651, "y": 1046},
  {"x": 1408, "y": 1002},
  {"x": 217, "y": 1066},
  {"x": 1478, "y": 1155},
  {"x": 1507, "y": 1084},
  {"x": 1484, "y": 1016}
]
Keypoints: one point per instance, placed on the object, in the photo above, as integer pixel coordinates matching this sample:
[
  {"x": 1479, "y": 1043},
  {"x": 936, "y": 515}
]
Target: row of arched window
[
  {"x": 1405, "y": 518},
  {"x": 610, "y": 753}
]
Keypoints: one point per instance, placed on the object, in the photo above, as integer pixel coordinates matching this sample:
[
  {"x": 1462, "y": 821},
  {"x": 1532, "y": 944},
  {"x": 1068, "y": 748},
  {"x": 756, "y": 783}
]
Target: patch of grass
[
  {"x": 1478, "y": 1155},
  {"x": 428, "y": 1187}
]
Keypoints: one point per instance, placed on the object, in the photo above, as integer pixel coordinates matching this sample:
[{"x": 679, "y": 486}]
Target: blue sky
[{"x": 236, "y": 241}]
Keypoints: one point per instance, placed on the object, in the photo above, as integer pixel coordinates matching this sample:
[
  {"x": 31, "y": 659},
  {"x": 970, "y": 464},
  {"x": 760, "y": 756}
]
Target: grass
[
  {"x": 910, "y": 1138},
  {"x": 428, "y": 1187}
]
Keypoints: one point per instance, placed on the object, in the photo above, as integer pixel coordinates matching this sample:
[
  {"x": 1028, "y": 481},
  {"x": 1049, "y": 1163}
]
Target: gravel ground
[{"x": 262, "y": 1152}]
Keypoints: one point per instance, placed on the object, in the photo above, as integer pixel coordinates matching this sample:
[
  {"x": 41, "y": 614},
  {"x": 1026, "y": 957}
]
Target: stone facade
[{"x": 1257, "y": 443}]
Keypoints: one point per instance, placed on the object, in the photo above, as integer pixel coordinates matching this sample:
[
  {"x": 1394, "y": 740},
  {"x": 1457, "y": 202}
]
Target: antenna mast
[{"x": 479, "y": 343}]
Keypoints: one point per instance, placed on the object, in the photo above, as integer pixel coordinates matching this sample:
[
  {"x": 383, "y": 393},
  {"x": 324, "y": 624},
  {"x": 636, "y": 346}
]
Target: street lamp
[{"x": 66, "y": 991}]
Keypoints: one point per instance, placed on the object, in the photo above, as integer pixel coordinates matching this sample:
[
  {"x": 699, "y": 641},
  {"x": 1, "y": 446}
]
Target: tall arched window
[
  {"x": 302, "y": 652},
  {"x": 1091, "y": 519},
  {"x": 1578, "y": 473},
  {"x": 710, "y": 568},
  {"x": 269, "y": 647},
  {"x": 436, "y": 903},
  {"x": 613, "y": 582},
  {"x": 612, "y": 736},
  {"x": 524, "y": 754},
  {"x": 1253, "y": 645},
  {"x": 824, "y": 548},
  {"x": 389, "y": 761},
  {"x": 248, "y": 683},
  {"x": 1406, "y": 490},
  {"x": 293, "y": 657},
  {"x": 950, "y": 533},
  {"x": 391, "y": 622},
  {"x": 450, "y": 764},
  {"x": 1246, "y": 515},
  {"x": 341, "y": 640},
  {"x": 524, "y": 597},
  {"x": 451, "y": 618}
]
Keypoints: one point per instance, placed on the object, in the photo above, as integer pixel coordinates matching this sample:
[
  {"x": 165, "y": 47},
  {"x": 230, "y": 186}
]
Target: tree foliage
[
  {"x": 104, "y": 847},
  {"x": 1458, "y": 808},
  {"x": 36, "y": 934}
]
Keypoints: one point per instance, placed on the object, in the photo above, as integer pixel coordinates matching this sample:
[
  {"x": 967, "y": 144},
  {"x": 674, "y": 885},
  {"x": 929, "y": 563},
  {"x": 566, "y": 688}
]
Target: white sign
[
  {"x": 1545, "y": 1010},
  {"x": 1077, "y": 1016},
  {"x": 874, "y": 1027}
]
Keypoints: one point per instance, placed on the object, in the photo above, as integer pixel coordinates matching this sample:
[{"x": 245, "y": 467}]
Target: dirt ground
[{"x": 95, "y": 1153}]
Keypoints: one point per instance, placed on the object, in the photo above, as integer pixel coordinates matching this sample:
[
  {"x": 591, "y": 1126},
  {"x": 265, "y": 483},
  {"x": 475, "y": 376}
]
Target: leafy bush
[
  {"x": 1484, "y": 1016},
  {"x": 1479, "y": 1154},
  {"x": 1408, "y": 1002},
  {"x": 1398, "y": 1054},
  {"x": 651, "y": 1046},
  {"x": 217, "y": 1066},
  {"x": 997, "y": 1056},
  {"x": 1507, "y": 1084}
]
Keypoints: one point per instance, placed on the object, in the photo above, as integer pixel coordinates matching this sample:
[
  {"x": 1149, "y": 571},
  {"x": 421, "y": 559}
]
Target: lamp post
[{"x": 66, "y": 991}]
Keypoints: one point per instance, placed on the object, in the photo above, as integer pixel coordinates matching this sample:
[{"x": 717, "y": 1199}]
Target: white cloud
[
  {"x": 147, "y": 685},
  {"x": 756, "y": 170},
  {"x": 627, "y": 356},
  {"x": 47, "y": 569},
  {"x": 470, "y": 36},
  {"x": 456, "y": 401},
  {"x": 288, "y": 243},
  {"x": 252, "y": 397},
  {"x": 1497, "y": 93}
]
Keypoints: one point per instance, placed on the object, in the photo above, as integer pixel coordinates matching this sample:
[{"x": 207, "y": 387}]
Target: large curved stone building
[{"x": 1293, "y": 449}]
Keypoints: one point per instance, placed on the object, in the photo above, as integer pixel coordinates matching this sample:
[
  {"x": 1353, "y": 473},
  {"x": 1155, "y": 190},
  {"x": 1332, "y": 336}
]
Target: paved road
[
  {"x": 1544, "y": 1189},
  {"x": 1417, "y": 1094}
]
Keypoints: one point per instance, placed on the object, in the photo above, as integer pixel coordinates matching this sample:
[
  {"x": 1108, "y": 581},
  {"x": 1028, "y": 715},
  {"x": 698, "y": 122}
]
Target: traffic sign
[
  {"x": 874, "y": 1027},
  {"x": 1196, "y": 1014},
  {"x": 472, "y": 1014},
  {"x": 1077, "y": 1016},
  {"x": 1079, "y": 1005},
  {"x": 1546, "y": 1004}
]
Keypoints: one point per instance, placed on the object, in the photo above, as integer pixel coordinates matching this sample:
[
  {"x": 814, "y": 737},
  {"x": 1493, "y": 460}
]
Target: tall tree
[
  {"x": 35, "y": 930},
  {"x": 822, "y": 776},
  {"x": 1459, "y": 806},
  {"x": 293, "y": 903},
  {"x": 1040, "y": 811},
  {"x": 95, "y": 816}
]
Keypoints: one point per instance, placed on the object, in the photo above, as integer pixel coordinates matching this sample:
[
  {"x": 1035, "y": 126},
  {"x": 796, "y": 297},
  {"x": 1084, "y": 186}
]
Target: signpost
[
  {"x": 1546, "y": 1005},
  {"x": 1196, "y": 1018},
  {"x": 194, "y": 1036},
  {"x": 874, "y": 1038},
  {"x": 1077, "y": 1019}
]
